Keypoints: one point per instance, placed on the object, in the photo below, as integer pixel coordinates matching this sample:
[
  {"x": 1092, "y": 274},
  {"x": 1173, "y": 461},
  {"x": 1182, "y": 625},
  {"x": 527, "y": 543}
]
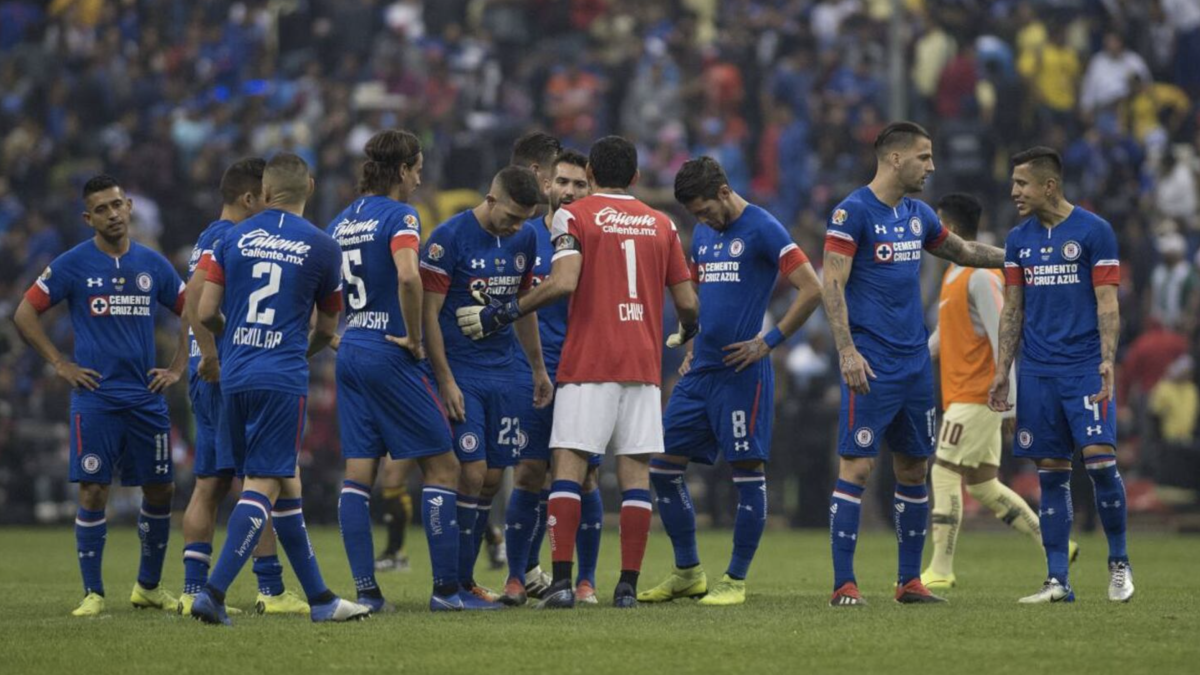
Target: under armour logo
[
  {"x": 162, "y": 469},
  {"x": 703, "y": 249},
  {"x": 1095, "y": 431},
  {"x": 478, "y": 263},
  {"x": 741, "y": 446},
  {"x": 1113, "y": 505},
  {"x": 94, "y": 282},
  {"x": 880, "y": 229}
]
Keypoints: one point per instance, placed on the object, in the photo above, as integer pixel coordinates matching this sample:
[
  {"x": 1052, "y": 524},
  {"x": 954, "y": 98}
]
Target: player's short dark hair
[
  {"x": 572, "y": 157},
  {"x": 964, "y": 211},
  {"x": 244, "y": 175},
  {"x": 386, "y": 152},
  {"x": 519, "y": 183},
  {"x": 99, "y": 183},
  {"x": 287, "y": 173},
  {"x": 699, "y": 178},
  {"x": 535, "y": 147},
  {"x": 898, "y": 136},
  {"x": 614, "y": 162},
  {"x": 1041, "y": 159}
]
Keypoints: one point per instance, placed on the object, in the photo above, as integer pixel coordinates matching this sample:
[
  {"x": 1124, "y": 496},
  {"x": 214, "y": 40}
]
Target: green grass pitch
[{"x": 785, "y": 626}]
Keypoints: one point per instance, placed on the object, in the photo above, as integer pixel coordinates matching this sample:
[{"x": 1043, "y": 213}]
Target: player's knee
[
  {"x": 1093, "y": 450},
  {"x": 361, "y": 471},
  {"x": 470, "y": 479},
  {"x": 530, "y": 475},
  {"x": 911, "y": 473},
  {"x": 211, "y": 489},
  {"x": 159, "y": 494},
  {"x": 1054, "y": 464},
  {"x": 980, "y": 474},
  {"x": 442, "y": 470},
  {"x": 93, "y": 496},
  {"x": 748, "y": 465},
  {"x": 980, "y": 490},
  {"x": 591, "y": 481},
  {"x": 856, "y": 470}
]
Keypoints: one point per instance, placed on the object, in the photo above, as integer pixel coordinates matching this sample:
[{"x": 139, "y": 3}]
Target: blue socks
[
  {"x": 468, "y": 515},
  {"x": 539, "y": 531},
  {"x": 1056, "y": 515},
  {"x": 154, "y": 529},
  {"x": 1110, "y": 502},
  {"x": 91, "y": 528},
  {"x": 844, "y": 510},
  {"x": 354, "y": 519},
  {"x": 269, "y": 572},
  {"x": 197, "y": 558},
  {"x": 520, "y": 521},
  {"x": 911, "y": 518},
  {"x": 440, "y": 516},
  {"x": 676, "y": 510},
  {"x": 587, "y": 541},
  {"x": 293, "y": 537},
  {"x": 245, "y": 527},
  {"x": 750, "y": 521}
]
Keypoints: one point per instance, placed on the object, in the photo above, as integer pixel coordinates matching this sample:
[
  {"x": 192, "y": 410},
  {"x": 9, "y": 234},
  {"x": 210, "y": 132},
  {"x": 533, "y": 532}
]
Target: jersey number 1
[
  {"x": 630, "y": 266},
  {"x": 274, "y": 273}
]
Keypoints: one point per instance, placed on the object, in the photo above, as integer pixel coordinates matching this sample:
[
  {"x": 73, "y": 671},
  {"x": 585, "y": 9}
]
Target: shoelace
[{"x": 1118, "y": 574}]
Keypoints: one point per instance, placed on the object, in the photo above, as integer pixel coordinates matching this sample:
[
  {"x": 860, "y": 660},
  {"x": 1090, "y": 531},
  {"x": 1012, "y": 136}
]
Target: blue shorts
[
  {"x": 537, "y": 423},
  {"x": 213, "y": 455},
  {"x": 493, "y": 430},
  {"x": 1055, "y": 415},
  {"x": 899, "y": 408},
  {"x": 136, "y": 441},
  {"x": 387, "y": 404},
  {"x": 265, "y": 430},
  {"x": 722, "y": 412}
]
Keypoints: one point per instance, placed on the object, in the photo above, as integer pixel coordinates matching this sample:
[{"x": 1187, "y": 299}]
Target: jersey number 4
[{"x": 274, "y": 273}]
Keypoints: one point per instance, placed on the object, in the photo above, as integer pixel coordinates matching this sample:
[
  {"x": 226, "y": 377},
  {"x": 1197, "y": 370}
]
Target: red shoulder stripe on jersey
[
  {"x": 931, "y": 245},
  {"x": 790, "y": 258},
  {"x": 38, "y": 297},
  {"x": 332, "y": 302},
  {"x": 840, "y": 243},
  {"x": 434, "y": 280},
  {"x": 1106, "y": 273},
  {"x": 527, "y": 280},
  {"x": 178, "y": 308},
  {"x": 1013, "y": 276},
  {"x": 213, "y": 271},
  {"x": 405, "y": 239}
]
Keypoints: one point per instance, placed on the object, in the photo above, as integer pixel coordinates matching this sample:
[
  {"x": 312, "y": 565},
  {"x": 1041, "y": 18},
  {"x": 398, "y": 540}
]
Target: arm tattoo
[
  {"x": 970, "y": 253},
  {"x": 834, "y": 293},
  {"x": 1108, "y": 317},
  {"x": 1011, "y": 323}
]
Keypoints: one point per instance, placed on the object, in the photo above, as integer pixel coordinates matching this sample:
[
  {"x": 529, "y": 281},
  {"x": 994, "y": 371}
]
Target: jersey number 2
[{"x": 274, "y": 273}]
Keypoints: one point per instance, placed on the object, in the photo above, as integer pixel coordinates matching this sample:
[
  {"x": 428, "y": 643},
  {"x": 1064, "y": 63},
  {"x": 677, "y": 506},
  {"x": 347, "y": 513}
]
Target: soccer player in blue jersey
[
  {"x": 263, "y": 281},
  {"x": 525, "y": 517},
  {"x": 872, "y": 296},
  {"x": 118, "y": 423},
  {"x": 1061, "y": 276},
  {"x": 723, "y": 406},
  {"x": 241, "y": 196},
  {"x": 484, "y": 254},
  {"x": 387, "y": 405}
]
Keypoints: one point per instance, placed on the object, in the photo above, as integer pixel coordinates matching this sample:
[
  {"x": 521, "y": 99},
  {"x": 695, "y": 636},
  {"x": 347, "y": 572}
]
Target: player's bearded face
[
  {"x": 570, "y": 183},
  {"x": 712, "y": 212},
  {"x": 916, "y": 165},
  {"x": 108, "y": 213}
]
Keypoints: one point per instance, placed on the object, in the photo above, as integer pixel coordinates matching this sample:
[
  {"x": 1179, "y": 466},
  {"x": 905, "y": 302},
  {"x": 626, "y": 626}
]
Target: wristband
[{"x": 774, "y": 337}]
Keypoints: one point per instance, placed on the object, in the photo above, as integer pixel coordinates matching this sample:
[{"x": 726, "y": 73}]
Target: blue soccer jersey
[
  {"x": 111, "y": 301},
  {"x": 461, "y": 257},
  {"x": 204, "y": 247},
  {"x": 883, "y": 293},
  {"x": 736, "y": 270},
  {"x": 552, "y": 319},
  {"x": 275, "y": 268},
  {"x": 1059, "y": 268}
]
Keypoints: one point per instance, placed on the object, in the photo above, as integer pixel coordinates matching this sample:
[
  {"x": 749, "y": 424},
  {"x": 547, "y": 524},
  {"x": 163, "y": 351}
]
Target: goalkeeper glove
[
  {"x": 681, "y": 336},
  {"x": 479, "y": 321}
]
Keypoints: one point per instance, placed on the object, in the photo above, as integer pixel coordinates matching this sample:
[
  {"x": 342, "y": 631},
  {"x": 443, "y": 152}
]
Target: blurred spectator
[
  {"x": 1109, "y": 73},
  {"x": 1174, "y": 293}
]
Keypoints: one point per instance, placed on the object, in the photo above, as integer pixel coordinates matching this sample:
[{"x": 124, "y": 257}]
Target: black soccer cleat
[{"x": 625, "y": 596}]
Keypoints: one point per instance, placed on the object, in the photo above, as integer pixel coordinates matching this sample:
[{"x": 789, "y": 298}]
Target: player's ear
[{"x": 312, "y": 187}]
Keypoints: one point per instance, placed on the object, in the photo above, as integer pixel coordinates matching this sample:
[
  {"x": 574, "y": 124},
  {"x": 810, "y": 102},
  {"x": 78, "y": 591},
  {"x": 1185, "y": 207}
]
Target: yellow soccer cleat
[
  {"x": 92, "y": 605},
  {"x": 185, "y": 606},
  {"x": 1072, "y": 551},
  {"x": 728, "y": 591},
  {"x": 938, "y": 582},
  {"x": 157, "y": 598},
  {"x": 689, "y": 583},
  {"x": 284, "y": 603}
]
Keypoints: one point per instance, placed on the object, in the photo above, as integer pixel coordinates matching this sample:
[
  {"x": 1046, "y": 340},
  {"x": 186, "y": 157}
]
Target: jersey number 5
[
  {"x": 274, "y": 273},
  {"x": 357, "y": 293}
]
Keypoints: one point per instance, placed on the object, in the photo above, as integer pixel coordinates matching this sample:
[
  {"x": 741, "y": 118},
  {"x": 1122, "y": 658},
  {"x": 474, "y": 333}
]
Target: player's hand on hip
[
  {"x": 686, "y": 366},
  {"x": 79, "y": 377},
  {"x": 335, "y": 342},
  {"x": 744, "y": 354},
  {"x": 1106, "y": 383},
  {"x": 998, "y": 393},
  {"x": 161, "y": 378},
  {"x": 682, "y": 335},
  {"x": 856, "y": 371},
  {"x": 209, "y": 370},
  {"x": 413, "y": 345},
  {"x": 543, "y": 390},
  {"x": 456, "y": 407}
]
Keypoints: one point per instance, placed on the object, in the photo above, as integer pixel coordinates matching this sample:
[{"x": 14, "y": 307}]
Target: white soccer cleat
[
  {"x": 1120, "y": 581},
  {"x": 339, "y": 610},
  {"x": 1052, "y": 591}
]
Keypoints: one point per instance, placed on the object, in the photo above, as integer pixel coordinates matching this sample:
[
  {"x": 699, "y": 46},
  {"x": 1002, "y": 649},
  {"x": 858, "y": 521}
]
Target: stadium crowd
[{"x": 787, "y": 94}]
